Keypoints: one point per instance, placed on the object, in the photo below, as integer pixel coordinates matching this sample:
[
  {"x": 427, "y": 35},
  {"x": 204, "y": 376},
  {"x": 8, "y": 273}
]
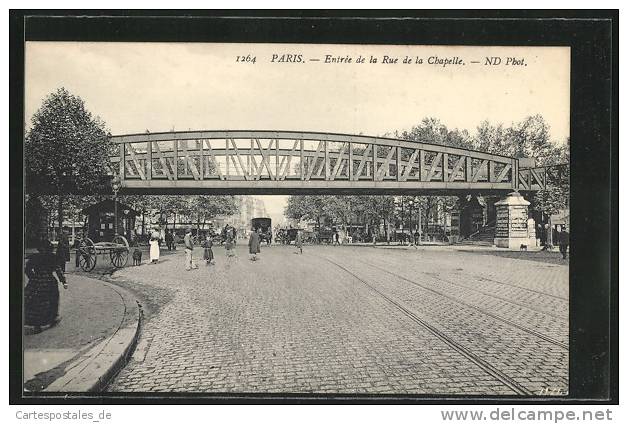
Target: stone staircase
[{"x": 483, "y": 237}]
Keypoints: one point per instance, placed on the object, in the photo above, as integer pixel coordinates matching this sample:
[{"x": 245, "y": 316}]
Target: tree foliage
[
  {"x": 67, "y": 149},
  {"x": 191, "y": 208},
  {"x": 158, "y": 209},
  {"x": 529, "y": 138},
  {"x": 556, "y": 196},
  {"x": 306, "y": 207},
  {"x": 433, "y": 131}
]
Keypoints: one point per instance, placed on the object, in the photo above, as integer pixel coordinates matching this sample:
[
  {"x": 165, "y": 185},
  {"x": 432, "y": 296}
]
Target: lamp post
[
  {"x": 412, "y": 231},
  {"x": 403, "y": 224},
  {"x": 420, "y": 226},
  {"x": 115, "y": 185}
]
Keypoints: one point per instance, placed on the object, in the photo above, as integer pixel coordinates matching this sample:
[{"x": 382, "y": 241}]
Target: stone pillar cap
[{"x": 513, "y": 199}]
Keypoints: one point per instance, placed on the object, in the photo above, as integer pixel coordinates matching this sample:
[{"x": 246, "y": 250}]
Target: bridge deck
[{"x": 280, "y": 161}]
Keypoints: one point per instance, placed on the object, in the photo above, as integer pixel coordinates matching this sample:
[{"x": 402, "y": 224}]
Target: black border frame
[{"x": 594, "y": 271}]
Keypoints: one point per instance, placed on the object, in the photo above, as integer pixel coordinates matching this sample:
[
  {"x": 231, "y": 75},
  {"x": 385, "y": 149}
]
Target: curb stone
[{"x": 94, "y": 370}]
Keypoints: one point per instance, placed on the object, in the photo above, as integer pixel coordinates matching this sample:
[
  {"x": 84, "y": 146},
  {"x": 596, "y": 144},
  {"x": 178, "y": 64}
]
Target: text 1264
[{"x": 248, "y": 59}]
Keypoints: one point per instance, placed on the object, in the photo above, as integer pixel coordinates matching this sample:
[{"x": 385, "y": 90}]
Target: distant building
[{"x": 248, "y": 207}]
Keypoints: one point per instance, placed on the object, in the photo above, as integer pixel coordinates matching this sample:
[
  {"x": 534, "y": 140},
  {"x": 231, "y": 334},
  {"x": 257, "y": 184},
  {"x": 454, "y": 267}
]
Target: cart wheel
[
  {"x": 119, "y": 254},
  {"x": 87, "y": 252}
]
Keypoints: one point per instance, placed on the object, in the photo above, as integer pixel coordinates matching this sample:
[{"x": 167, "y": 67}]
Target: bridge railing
[
  {"x": 212, "y": 157},
  {"x": 540, "y": 177}
]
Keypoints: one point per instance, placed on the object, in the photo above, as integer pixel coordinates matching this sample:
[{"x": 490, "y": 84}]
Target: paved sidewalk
[
  {"x": 534, "y": 254},
  {"x": 93, "y": 316}
]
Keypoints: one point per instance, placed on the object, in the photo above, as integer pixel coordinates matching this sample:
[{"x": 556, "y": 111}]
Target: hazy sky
[
  {"x": 160, "y": 86},
  {"x": 157, "y": 86}
]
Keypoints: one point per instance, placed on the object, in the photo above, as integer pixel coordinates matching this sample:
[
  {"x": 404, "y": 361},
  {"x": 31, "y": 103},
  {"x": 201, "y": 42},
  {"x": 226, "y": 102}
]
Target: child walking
[{"x": 208, "y": 253}]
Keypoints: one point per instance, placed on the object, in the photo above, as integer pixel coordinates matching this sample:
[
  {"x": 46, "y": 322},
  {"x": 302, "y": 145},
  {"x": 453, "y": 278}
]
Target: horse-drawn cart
[{"x": 117, "y": 249}]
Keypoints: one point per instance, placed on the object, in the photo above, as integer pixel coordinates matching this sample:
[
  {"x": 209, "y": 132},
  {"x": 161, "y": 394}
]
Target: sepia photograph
[
  {"x": 293, "y": 219},
  {"x": 275, "y": 227}
]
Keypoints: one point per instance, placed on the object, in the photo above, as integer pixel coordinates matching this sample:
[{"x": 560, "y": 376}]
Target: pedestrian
[
  {"x": 229, "y": 247},
  {"x": 545, "y": 233},
  {"x": 563, "y": 241},
  {"x": 137, "y": 252},
  {"x": 336, "y": 238},
  {"x": 254, "y": 244},
  {"x": 154, "y": 247},
  {"x": 169, "y": 239},
  {"x": 208, "y": 253},
  {"x": 542, "y": 236},
  {"x": 298, "y": 242},
  {"x": 41, "y": 294},
  {"x": 63, "y": 249},
  {"x": 188, "y": 241},
  {"x": 76, "y": 246}
]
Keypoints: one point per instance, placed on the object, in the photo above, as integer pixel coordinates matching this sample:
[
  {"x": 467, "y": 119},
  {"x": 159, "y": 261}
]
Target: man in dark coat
[
  {"x": 63, "y": 249},
  {"x": 254, "y": 247},
  {"x": 169, "y": 240},
  {"x": 563, "y": 241}
]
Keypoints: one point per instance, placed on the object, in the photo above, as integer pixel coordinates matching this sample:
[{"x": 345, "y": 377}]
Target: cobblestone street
[{"x": 350, "y": 320}]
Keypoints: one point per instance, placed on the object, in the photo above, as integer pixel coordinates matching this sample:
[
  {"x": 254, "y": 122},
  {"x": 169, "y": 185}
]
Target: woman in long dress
[
  {"x": 154, "y": 247},
  {"x": 41, "y": 294},
  {"x": 298, "y": 242},
  {"x": 229, "y": 246},
  {"x": 254, "y": 245}
]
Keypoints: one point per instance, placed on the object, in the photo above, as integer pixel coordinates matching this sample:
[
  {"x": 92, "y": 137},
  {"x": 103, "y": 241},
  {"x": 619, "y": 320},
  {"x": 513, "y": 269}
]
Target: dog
[
  {"x": 523, "y": 248},
  {"x": 137, "y": 257}
]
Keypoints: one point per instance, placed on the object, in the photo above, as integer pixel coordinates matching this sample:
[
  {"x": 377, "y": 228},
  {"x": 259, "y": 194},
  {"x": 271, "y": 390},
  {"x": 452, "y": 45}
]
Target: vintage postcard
[{"x": 229, "y": 218}]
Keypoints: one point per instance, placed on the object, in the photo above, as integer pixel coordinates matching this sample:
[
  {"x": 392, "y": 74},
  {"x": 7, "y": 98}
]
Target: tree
[
  {"x": 195, "y": 208},
  {"x": 530, "y": 138},
  {"x": 340, "y": 209},
  {"x": 66, "y": 150},
  {"x": 206, "y": 207},
  {"x": 556, "y": 195},
  {"x": 374, "y": 209},
  {"x": 432, "y": 131},
  {"x": 306, "y": 207}
]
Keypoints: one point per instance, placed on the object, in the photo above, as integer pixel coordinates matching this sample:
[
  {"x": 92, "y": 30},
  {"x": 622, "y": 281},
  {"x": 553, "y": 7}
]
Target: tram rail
[
  {"x": 485, "y": 293},
  {"x": 475, "y": 359},
  {"x": 470, "y": 306}
]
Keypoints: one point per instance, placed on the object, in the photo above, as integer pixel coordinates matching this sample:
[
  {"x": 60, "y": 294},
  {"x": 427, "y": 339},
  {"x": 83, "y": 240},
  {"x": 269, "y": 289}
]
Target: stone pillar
[{"x": 511, "y": 225}]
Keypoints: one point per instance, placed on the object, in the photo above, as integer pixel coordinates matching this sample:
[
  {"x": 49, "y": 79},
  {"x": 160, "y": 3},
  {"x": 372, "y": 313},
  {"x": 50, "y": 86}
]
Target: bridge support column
[{"x": 511, "y": 224}]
